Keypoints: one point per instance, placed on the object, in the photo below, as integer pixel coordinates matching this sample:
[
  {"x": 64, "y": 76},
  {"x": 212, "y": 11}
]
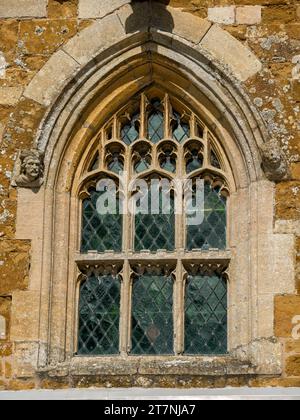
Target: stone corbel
[
  {"x": 274, "y": 162},
  {"x": 29, "y": 169}
]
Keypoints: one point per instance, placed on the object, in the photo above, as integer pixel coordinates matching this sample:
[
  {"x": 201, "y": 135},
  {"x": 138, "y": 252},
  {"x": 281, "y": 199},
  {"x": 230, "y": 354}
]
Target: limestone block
[
  {"x": 224, "y": 15},
  {"x": 98, "y": 9},
  {"x": 9, "y": 96},
  {"x": 179, "y": 23},
  {"x": 23, "y": 8},
  {"x": 279, "y": 275},
  {"x": 95, "y": 39},
  {"x": 231, "y": 53},
  {"x": 25, "y": 316},
  {"x": 47, "y": 84},
  {"x": 248, "y": 15}
]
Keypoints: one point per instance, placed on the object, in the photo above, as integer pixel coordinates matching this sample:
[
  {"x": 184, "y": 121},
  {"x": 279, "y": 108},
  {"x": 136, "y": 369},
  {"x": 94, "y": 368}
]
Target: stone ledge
[
  {"x": 158, "y": 366},
  {"x": 23, "y": 8}
]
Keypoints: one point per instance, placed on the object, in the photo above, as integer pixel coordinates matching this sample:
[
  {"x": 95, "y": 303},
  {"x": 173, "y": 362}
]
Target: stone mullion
[
  {"x": 179, "y": 308},
  {"x": 193, "y": 125},
  {"x": 101, "y": 148},
  {"x": 143, "y": 117},
  {"x": 125, "y": 308},
  {"x": 167, "y": 117},
  {"x": 206, "y": 160}
]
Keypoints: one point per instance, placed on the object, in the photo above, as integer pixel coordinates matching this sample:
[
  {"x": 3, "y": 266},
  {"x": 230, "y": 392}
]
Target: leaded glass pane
[
  {"x": 100, "y": 232},
  {"x": 206, "y": 315},
  {"x": 156, "y": 231},
  {"x": 211, "y": 233},
  {"x": 156, "y": 122},
  {"x": 152, "y": 315},
  {"x": 130, "y": 130},
  {"x": 99, "y": 316},
  {"x": 116, "y": 165},
  {"x": 181, "y": 130}
]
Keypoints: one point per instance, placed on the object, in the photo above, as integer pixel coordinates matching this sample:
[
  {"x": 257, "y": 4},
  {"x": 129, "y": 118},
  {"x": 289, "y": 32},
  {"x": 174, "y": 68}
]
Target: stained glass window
[
  {"x": 153, "y": 140},
  {"x": 206, "y": 315},
  {"x": 100, "y": 232},
  {"x": 99, "y": 315},
  {"x": 152, "y": 315}
]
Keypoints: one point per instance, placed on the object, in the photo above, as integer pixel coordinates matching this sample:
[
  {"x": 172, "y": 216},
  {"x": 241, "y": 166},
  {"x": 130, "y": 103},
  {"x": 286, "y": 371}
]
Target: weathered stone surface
[
  {"x": 248, "y": 15},
  {"x": 14, "y": 255},
  {"x": 24, "y": 323},
  {"x": 45, "y": 87},
  {"x": 182, "y": 24},
  {"x": 286, "y": 308},
  {"x": 9, "y": 96},
  {"x": 231, "y": 54},
  {"x": 45, "y": 36},
  {"x": 293, "y": 366},
  {"x": 224, "y": 15},
  {"x": 23, "y": 8},
  {"x": 98, "y": 9},
  {"x": 94, "y": 39},
  {"x": 292, "y": 346},
  {"x": 288, "y": 200},
  {"x": 62, "y": 9}
]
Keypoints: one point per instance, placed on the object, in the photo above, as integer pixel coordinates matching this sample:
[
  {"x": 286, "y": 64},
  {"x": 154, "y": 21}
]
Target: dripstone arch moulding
[{"x": 80, "y": 86}]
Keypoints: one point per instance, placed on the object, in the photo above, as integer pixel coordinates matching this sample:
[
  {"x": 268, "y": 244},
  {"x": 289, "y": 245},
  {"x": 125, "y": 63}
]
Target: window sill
[{"x": 149, "y": 365}]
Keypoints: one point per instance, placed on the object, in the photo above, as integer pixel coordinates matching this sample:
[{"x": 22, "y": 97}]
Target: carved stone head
[
  {"x": 30, "y": 170},
  {"x": 274, "y": 162}
]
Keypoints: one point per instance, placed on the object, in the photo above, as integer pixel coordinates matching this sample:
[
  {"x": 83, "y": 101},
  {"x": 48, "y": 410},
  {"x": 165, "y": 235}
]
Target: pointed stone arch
[{"x": 80, "y": 86}]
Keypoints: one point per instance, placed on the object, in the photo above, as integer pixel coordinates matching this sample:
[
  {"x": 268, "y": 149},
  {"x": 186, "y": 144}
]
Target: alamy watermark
[{"x": 158, "y": 196}]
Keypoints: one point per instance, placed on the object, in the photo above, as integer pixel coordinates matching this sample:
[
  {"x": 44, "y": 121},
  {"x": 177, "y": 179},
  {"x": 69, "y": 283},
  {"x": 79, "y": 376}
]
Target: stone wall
[{"x": 32, "y": 31}]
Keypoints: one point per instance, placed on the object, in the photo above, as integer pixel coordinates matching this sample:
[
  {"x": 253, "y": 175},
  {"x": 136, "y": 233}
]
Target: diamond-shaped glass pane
[
  {"x": 156, "y": 231},
  {"x": 181, "y": 130},
  {"x": 206, "y": 315},
  {"x": 116, "y": 165},
  {"x": 211, "y": 233},
  {"x": 99, "y": 315},
  {"x": 130, "y": 130},
  {"x": 100, "y": 232},
  {"x": 156, "y": 123},
  {"x": 152, "y": 315}
]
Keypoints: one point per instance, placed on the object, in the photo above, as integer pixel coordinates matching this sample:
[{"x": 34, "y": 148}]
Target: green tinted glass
[
  {"x": 152, "y": 315},
  {"x": 100, "y": 232},
  {"x": 211, "y": 233},
  {"x": 99, "y": 314},
  {"x": 206, "y": 315},
  {"x": 155, "y": 231}
]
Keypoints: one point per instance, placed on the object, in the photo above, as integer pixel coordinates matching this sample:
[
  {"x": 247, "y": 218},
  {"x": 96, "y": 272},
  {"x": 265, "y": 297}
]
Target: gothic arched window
[{"x": 154, "y": 279}]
